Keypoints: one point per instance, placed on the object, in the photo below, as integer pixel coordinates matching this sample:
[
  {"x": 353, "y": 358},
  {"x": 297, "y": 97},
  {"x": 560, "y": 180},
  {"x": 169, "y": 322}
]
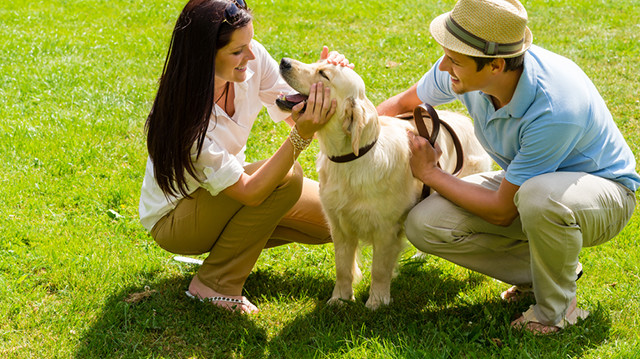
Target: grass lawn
[{"x": 77, "y": 78}]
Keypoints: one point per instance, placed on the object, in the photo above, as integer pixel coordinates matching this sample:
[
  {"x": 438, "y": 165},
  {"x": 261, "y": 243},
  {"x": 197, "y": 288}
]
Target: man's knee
[
  {"x": 424, "y": 223},
  {"x": 413, "y": 225},
  {"x": 538, "y": 203}
]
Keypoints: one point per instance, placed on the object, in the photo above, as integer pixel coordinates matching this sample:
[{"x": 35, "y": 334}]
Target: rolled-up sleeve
[{"x": 219, "y": 168}]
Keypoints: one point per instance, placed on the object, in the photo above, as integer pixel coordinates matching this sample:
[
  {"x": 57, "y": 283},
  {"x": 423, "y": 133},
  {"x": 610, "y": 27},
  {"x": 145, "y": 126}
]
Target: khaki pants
[
  {"x": 560, "y": 213},
  {"x": 234, "y": 234}
]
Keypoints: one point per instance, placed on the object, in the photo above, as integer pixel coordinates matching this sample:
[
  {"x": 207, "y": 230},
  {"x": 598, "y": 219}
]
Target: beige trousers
[
  {"x": 560, "y": 213},
  {"x": 234, "y": 235}
]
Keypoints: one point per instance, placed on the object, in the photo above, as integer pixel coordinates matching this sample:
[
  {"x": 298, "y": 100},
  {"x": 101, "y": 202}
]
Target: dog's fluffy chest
[{"x": 373, "y": 189}]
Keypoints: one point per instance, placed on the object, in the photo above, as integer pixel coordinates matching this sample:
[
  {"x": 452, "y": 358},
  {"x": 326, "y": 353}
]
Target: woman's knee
[{"x": 290, "y": 188}]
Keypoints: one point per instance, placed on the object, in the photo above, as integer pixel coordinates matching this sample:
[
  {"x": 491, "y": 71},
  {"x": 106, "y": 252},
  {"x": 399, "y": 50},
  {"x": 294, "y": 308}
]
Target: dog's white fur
[{"x": 367, "y": 199}]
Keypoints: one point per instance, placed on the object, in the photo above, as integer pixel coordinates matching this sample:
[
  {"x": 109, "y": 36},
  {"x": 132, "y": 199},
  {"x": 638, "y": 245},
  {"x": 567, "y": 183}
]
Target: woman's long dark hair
[{"x": 185, "y": 98}]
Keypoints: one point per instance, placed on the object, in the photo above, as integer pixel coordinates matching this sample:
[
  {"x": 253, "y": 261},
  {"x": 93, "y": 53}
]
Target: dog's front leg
[
  {"x": 346, "y": 267},
  {"x": 386, "y": 250}
]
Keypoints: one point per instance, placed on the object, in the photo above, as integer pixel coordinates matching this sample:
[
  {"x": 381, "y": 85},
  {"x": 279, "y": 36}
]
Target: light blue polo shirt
[{"x": 556, "y": 121}]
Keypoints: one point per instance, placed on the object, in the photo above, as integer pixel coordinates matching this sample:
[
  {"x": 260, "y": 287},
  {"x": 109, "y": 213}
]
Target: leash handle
[
  {"x": 418, "y": 117},
  {"x": 419, "y": 114}
]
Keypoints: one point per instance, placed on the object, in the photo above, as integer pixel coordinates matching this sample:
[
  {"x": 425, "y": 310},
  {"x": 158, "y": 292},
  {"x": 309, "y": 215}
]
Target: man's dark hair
[{"x": 511, "y": 63}]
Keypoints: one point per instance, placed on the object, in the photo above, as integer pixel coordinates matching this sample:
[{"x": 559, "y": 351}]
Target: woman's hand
[
  {"x": 320, "y": 108},
  {"x": 424, "y": 157},
  {"x": 335, "y": 58}
]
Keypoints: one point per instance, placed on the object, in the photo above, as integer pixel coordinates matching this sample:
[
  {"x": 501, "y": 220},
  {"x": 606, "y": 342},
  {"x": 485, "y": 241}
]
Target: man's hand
[
  {"x": 424, "y": 157},
  {"x": 335, "y": 58}
]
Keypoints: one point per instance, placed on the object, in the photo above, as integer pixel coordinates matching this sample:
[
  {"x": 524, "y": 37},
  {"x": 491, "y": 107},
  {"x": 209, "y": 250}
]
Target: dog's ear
[
  {"x": 357, "y": 115},
  {"x": 353, "y": 122}
]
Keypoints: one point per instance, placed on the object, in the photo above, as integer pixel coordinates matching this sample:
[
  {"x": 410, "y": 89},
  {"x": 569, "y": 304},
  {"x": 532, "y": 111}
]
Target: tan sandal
[
  {"x": 237, "y": 303},
  {"x": 529, "y": 321}
]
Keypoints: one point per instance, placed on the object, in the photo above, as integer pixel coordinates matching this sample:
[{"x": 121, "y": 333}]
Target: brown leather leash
[{"x": 419, "y": 115}]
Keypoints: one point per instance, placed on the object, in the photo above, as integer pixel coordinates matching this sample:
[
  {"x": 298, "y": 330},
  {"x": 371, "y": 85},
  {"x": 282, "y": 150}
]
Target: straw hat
[{"x": 484, "y": 28}]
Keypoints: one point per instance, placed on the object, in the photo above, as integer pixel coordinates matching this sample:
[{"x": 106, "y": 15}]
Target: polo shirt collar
[{"x": 525, "y": 92}]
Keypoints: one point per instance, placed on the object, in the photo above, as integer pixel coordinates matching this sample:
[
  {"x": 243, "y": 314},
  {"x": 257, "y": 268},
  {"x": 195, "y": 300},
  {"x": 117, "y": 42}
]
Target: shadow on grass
[
  {"x": 423, "y": 321},
  {"x": 168, "y": 324},
  {"x": 165, "y": 323},
  {"x": 428, "y": 319}
]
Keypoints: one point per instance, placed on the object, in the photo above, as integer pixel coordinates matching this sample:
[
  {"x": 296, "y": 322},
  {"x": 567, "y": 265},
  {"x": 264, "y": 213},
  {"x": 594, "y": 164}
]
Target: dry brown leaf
[
  {"x": 391, "y": 64},
  {"x": 139, "y": 296}
]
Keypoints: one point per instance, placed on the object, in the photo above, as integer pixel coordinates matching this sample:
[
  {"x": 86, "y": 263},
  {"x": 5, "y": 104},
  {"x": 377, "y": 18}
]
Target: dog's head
[{"x": 347, "y": 87}]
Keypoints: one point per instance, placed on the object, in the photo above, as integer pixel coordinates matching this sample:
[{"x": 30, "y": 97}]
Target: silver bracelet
[{"x": 299, "y": 143}]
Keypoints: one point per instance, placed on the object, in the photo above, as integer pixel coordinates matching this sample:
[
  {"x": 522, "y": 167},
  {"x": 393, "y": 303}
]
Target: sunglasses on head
[{"x": 232, "y": 12}]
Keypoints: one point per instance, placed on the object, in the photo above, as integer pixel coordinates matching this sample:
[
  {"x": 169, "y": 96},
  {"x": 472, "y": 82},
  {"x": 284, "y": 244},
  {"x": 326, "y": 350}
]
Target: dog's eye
[{"x": 321, "y": 73}]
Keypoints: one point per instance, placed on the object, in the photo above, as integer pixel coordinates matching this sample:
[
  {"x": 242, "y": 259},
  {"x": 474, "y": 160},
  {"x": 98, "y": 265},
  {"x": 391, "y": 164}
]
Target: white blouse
[{"x": 222, "y": 159}]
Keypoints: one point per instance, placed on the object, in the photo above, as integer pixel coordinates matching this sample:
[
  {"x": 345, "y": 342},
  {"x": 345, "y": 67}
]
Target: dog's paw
[
  {"x": 376, "y": 302},
  {"x": 337, "y": 301}
]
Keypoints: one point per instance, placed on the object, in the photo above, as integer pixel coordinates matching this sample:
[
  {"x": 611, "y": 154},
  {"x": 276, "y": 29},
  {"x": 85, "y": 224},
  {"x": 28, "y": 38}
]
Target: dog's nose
[{"x": 285, "y": 63}]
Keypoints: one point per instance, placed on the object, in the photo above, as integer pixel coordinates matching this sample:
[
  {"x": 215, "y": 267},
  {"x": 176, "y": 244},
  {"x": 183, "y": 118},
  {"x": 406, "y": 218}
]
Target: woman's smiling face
[{"x": 232, "y": 59}]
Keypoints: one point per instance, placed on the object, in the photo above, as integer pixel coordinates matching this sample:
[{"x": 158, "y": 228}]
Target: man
[{"x": 568, "y": 178}]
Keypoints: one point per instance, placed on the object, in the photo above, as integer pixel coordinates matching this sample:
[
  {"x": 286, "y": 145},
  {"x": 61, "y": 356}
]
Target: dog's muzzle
[{"x": 287, "y": 102}]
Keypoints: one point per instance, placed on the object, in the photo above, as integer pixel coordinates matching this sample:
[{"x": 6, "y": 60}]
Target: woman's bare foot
[{"x": 230, "y": 302}]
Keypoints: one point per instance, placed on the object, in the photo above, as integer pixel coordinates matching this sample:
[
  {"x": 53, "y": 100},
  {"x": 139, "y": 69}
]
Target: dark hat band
[{"x": 489, "y": 48}]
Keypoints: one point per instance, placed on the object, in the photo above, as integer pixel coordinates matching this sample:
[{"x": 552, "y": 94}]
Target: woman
[{"x": 199, "y": 195}]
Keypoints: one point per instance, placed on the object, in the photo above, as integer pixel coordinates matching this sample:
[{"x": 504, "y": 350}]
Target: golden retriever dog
[{"x": 367, "y": 194}]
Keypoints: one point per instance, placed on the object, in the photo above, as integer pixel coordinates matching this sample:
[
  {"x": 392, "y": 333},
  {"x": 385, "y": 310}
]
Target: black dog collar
[{"x": 352, "y": 156}]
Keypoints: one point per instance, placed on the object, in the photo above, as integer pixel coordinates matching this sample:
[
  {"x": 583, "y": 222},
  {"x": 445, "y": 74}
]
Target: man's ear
[{"x": 497, "y": 65}]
